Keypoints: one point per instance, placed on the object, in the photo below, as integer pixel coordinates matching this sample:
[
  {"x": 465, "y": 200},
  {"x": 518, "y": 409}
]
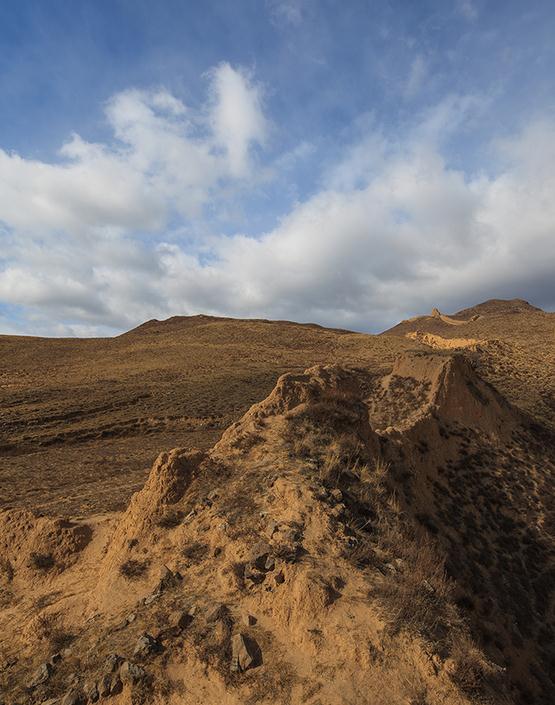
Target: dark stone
[
  {"x": 131, "y": 672},
  {"x": 245, "y": 653},
  {"x": 41, "y": 675},
  {"x": 146, "y": 646}
]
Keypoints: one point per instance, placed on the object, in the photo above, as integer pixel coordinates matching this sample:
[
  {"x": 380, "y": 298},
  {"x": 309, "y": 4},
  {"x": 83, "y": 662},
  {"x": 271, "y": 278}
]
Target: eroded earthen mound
[{"x": 356, "y": 537}]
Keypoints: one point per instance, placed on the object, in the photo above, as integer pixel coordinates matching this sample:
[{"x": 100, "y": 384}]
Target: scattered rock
[
  {"x": 40, "y": 676},
  {"x": 261, "y": 561},
  {"x": 91, "y": 692},
  {"x": 146, "y": 646},
  {"x": 131, "y": 672},
  {"x": 112, "y": 663},
  {"x": 168, "y": 580},
  {"x": 150, "y": 598},
  {"x": 73, "y": 697},
  {"x": 245, "y": 653},
  {"x": 55, "y": 658},
  {"x": 105, "y": 685},
  {"x": 218, "y": 613}
]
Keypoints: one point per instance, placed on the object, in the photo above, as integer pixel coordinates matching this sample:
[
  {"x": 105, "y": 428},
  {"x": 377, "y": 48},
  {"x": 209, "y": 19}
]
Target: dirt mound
[{"x": 31, "y": 544}]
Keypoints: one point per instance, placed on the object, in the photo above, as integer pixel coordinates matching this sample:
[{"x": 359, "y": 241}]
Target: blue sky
[{"x": 349, "y": 163}]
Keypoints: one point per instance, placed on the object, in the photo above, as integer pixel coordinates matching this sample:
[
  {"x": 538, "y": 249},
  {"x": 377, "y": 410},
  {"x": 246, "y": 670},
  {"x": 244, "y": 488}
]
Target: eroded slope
[{"x": 325, "y": 550}]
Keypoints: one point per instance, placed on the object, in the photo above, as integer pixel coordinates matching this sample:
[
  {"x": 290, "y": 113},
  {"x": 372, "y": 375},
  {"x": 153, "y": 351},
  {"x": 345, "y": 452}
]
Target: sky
[{"x": 350, "y": 163}]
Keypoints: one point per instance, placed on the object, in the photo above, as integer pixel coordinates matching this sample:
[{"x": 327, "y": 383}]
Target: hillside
[
  {"x": 83, "y": 420},
  {"x": 376, "y": 528},
  {"x": 511, "y": 342}
]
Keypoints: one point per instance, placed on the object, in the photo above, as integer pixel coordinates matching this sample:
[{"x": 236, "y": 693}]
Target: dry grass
[
  {"x": 133, "y": 569},
  {"x": 97, "y": 412}
]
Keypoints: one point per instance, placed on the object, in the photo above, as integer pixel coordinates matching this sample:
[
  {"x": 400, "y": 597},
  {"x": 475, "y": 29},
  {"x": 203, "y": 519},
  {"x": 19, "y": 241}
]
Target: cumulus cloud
[
  {"x": 166, "y": 158},
  {"x": 394, "y": 229}
]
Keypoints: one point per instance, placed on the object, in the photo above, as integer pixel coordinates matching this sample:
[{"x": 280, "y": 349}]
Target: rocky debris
[
  {"x": 177, "y": 622},
  {"x": 261, "y": 562},
  {"x": 55, "y": 658},
  {"x": 73, "y": 697},
  {"x": 91, "y": 692},
  {"x": 245, "y": 653},
  {"x": 131, "y": 672},
  {"x": 40, "y": 676},
  {"x": 218, "y": 613},
  {"x": 146, "y": 646},
  {"x": 109, "y": 684},
  {"x": 249, "y": 620},
  {"x": 168, "y": 580},
  {"x": 112, "y": 663}
]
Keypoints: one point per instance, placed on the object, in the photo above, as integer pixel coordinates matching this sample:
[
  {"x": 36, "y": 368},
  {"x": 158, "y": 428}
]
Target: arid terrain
[{"x": 320, "y": 517}]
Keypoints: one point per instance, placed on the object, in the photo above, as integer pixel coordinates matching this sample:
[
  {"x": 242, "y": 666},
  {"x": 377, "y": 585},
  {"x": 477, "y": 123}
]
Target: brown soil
[{"x": 374, "y": 532}]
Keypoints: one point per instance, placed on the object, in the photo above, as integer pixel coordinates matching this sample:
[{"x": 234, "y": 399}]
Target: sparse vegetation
[
  {"x": 42, "y": 561},
  {"x": 133, "y": 569}
]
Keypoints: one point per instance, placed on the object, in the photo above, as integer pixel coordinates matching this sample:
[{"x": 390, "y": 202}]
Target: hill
[
  {"x": 83, "y": 420},
  {"x": 378, "y": 529}
]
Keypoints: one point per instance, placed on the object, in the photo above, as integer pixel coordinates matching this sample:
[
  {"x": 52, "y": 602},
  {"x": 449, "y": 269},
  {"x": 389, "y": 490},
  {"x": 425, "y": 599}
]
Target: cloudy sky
[{"x": 348, "y": 163}]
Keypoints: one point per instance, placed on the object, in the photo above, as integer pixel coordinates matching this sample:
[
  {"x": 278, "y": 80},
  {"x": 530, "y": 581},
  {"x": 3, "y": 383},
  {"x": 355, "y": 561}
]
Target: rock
[
  {"x": 280, "y": 578},
  {"x": 105, "y": 685},
  {"x": 261, "y": 561},
  {"x": 55, "y": 658},
  {"x": 218, "y": 613},
  {"x": 150, "y": 598},
  {"x": 112, "y": 663},
  {"x": 146, "y": 646},
  {"x": 259, "y": 554},
  {"x": 336, "y": 494},
  {"x": 271, "y": 528},
  {"x": 183, "y": 619},
  {"x": 131, "y": 617},
  {"x": 117, "y": 686},
  {"x": 73, "y": 697},
  {"x": 91, "y": 692},
  {"x": 168, "y": 580},
  {"x": 245, "y": 653},
  {"x": 41, "y": 675},
  {"x": 253, "y": 574},
  {"x": 249, "y": 620},
  {"x": 131, "y": 672}
]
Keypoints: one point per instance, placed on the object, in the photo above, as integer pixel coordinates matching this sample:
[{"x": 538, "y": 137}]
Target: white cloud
[
  {"x": 166, "y": 158},
  {"x": 393, "y": 231},
  {"x": 237, "y": 117}
]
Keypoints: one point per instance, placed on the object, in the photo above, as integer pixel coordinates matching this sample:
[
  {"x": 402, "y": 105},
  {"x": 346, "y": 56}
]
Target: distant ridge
[{"x": 174, "y": 323}]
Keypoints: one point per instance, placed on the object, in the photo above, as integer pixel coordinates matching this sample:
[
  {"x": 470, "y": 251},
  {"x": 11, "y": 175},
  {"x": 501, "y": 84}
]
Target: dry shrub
[
  {"x": 470, "y": 670},
  {"x": 170, "y": 520},
  {"x": 133, "y": 569},
  {"x": 42, "y": 561}
]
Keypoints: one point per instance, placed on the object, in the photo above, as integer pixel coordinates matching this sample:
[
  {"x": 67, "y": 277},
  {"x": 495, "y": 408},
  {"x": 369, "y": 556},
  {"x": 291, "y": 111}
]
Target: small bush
[
  {"x": 170, "y": 520},
  {"x": 42, "y": 561},
  {"x": 133, "y": 569}
]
